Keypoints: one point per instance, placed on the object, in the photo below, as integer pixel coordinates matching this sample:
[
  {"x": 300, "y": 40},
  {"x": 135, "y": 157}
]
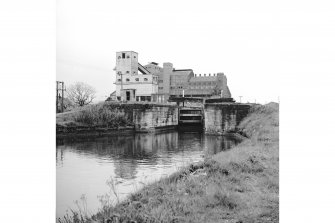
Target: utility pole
[
  {"x": 56, "y": 96},
  {"x": 62, "y": 97},
  {"x": 121, "y": 91},
  {"x": 240, "y": 99},
  {"x": 60, "y": 84}
]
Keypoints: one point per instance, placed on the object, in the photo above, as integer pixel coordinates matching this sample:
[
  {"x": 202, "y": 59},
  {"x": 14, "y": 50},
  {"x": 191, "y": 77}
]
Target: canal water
[{"x": 88, "y": 168}]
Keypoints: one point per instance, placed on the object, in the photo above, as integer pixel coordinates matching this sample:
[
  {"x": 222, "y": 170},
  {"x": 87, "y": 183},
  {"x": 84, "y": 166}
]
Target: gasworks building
[{"x": 151, "y": 82}]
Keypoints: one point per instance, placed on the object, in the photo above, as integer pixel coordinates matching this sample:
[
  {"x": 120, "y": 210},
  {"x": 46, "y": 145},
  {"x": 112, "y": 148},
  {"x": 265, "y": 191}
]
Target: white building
[
  {"x": 133, "y": 81},
  {"x": 151, "y": 82}
]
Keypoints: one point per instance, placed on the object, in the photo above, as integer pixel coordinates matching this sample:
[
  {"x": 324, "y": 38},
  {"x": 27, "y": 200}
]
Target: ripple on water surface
[{"x": 84, "y": 167}]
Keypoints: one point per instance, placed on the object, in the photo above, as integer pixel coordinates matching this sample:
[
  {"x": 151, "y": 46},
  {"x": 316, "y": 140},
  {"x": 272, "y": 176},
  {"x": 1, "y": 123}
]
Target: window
[
  {"x": 118, "y": 79},
  {"x": 119, "y": 57},
  {"x": 127, "y": 79},
  {"x": 127, "y": 72},
  {"x": 145, "y": 79},
  {"x": 134, "y": 56},
  {"x": 134, "y": 72},
  {"x": 128, "y": 56},
  {"x": 160, "y": 88},
  {"x": 160, "y": 81},
  {"x": 137, "y": 79},
  {"x": 119, "y": 72},
  {"x": 123, "y": 55}
]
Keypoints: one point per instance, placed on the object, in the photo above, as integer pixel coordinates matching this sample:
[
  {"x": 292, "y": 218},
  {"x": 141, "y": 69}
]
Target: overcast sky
[{"x": 234, "y": 37}]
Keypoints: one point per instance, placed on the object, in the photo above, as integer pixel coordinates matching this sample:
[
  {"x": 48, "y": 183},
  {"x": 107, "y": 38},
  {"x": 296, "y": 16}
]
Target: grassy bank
[
  {"x": 240, "y": 185},
  {"x": 99, "y": 115},
  {"x": 104, "y": 114}
]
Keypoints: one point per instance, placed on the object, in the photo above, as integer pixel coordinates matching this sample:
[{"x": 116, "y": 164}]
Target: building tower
[
  {"x": 127, "y": 63},
  {"x": 130, "y": 84}
]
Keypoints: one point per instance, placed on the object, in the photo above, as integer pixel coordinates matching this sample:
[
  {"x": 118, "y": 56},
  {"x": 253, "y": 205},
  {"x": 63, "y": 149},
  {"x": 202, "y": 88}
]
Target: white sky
[{"x": 235, "y": 37}]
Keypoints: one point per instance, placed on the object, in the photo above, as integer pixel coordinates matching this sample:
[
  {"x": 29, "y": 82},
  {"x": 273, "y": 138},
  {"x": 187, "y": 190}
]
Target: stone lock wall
[
  {"x": 155, "y": 118},
  {"x": 223, "y": 118}
]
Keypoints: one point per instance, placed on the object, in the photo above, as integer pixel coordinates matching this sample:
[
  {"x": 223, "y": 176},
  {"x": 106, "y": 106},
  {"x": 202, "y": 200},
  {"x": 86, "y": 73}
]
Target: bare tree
[{"x": 81, "y": 93}]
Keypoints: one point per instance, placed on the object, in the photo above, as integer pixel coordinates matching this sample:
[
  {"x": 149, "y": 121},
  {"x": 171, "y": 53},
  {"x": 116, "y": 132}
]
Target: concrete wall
[
  {"x": 155, "y": 118},
  {"x": 223, "y": 118}
]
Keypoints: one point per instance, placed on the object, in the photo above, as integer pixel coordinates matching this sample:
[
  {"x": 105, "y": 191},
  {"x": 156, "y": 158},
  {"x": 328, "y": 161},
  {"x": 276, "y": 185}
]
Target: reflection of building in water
[
  {"x": 59, "y": 155},
  {"x": 141, "y": 149},
  {"x": 125, "y": 169},
  {"x": 215, "y": 144}
]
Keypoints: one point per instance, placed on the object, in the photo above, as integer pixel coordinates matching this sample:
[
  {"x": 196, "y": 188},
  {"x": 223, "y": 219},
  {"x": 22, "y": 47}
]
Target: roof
[
  {"x": 182, "y": 72},
  {"x": 126, "y": 51}
]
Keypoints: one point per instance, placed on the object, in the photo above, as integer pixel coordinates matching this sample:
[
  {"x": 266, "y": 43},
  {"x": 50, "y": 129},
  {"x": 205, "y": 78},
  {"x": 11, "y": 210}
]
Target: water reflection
[{"x": 84, "y": 165}]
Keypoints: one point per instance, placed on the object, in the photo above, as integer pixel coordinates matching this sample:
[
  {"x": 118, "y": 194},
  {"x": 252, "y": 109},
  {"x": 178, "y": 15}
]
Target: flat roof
[{"x": 126, "y": 51}]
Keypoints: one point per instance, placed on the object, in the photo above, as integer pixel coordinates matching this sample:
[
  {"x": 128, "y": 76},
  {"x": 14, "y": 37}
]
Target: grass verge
[
  {"x": 239, "y": 185},
  {"x": 99, "y": 115}
]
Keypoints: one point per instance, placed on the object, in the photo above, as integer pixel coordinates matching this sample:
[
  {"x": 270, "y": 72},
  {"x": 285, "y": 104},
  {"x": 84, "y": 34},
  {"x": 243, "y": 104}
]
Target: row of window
[
  {"x": 143, "y": 98},
  {"x": 202, "y": 83},
  {"x": 127, "y": 72},
  {"x": 202, "y": 87},
  {"x": 177, "y": 87},
  {"x": 153, "y": 67},
  {"x": 136, "y": 79},
  {"x": 192, "y": 87},
  {"x": 124, "y": 56}
]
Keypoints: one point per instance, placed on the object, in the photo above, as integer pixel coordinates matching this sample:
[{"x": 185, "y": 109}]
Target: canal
[{"x": 85, "y": 166}]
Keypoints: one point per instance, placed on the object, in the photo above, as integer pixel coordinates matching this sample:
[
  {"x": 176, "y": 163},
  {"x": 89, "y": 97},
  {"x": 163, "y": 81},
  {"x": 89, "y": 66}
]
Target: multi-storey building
[{"x": 151, "y": 82}]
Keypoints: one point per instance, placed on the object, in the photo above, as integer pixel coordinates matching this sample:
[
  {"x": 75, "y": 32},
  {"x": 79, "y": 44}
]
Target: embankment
[
  {"x": 116, "y": 118},
  {"x": 239, "y": 185}
]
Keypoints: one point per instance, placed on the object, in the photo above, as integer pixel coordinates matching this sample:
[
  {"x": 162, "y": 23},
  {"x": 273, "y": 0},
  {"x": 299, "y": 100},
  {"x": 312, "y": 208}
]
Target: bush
[{"x": 100, "y": 115}]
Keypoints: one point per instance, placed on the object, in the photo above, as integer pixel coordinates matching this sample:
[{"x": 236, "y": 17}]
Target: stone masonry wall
[
  {"x": 224, "y": 117},
  {"x": 155, "y": 118}
]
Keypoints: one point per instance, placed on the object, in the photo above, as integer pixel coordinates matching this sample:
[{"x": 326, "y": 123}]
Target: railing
[
  {"x": 142, "y": 69},
  {"x": 190, "y": 116}
]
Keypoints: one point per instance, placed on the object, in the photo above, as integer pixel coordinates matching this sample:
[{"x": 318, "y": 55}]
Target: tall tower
[
  {"x": 126, "y": 63},
  {"x": 167, "y": 72}
]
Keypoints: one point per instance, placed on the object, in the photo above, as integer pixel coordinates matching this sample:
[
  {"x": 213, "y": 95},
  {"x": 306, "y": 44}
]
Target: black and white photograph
[
  {"x": 167, "y": 111},
  {"x": 161, "y": 114}
]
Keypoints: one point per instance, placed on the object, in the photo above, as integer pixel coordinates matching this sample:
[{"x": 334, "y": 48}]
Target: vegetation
[
  {"x": 104, "y": 114},
  {"x": 98, "y": 115},
  {"x": 81, "y": 94},
  {"x": 239, "y": 185}
]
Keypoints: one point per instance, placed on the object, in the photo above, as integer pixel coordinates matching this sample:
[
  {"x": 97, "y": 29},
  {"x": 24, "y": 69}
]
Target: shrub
[{"x": 100, "y": 115}]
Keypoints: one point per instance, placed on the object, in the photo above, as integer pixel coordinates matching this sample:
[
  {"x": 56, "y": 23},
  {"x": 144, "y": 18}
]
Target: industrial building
[{"x": 151, "y": 82}]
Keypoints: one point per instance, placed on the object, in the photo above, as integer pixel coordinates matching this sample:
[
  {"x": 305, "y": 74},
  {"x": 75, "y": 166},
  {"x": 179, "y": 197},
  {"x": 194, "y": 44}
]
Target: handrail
[{"x": 143, "y": 69}]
